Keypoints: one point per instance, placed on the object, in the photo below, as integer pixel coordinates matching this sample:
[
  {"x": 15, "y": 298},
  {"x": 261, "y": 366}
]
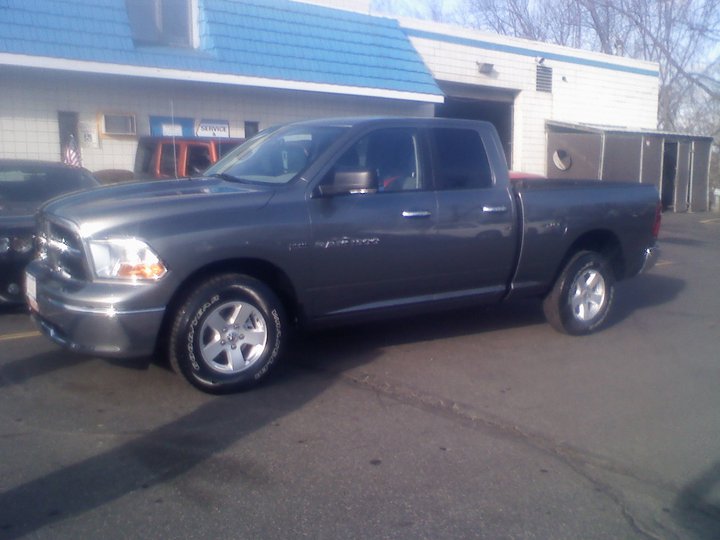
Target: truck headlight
[{"x": 125, "y": 258}]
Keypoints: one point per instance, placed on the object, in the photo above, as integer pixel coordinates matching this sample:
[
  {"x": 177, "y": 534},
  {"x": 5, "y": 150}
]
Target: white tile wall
[
  {"x": 587, "y": 94},
  {"x": 32, "y": 99}
]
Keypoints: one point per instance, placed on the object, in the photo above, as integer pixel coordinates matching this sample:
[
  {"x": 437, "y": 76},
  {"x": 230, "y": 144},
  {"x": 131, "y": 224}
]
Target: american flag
[{"x": 71, "y": 155}]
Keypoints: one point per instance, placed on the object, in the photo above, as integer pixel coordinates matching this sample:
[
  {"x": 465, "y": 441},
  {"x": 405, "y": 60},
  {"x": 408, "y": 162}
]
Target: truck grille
[{"x": 62, "y": 250}]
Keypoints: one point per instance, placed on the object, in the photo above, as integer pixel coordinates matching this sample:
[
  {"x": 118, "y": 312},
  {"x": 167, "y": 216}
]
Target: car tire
[
  {"x": 581, "y": 299},
  {"x": 228, "y": 334}
]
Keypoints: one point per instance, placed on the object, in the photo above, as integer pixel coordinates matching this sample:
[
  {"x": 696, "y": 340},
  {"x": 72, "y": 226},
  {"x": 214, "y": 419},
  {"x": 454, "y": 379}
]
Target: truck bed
[{"x": 556, "y": 214}]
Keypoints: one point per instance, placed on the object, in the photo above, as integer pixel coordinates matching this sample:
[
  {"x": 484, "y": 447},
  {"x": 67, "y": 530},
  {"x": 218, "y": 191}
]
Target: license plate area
[{"x": 31, "y": 291}]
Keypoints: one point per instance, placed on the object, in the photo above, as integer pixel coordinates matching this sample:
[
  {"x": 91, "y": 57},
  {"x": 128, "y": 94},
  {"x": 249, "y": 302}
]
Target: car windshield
[
  {"x": 37, "y": 183},
  {"x": 276, "y": 156}
]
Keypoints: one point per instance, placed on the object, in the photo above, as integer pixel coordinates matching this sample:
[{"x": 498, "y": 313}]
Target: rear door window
[{"x": 459, "y": 159}]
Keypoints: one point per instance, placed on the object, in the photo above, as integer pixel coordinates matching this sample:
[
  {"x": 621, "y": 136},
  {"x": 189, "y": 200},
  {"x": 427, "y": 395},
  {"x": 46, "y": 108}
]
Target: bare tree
[
  {"x": 428, "y": 9},
  {"x": 683, "y": 36}
]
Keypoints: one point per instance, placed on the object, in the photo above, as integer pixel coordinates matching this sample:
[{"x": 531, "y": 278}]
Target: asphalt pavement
[{"x": 479, "y": 423}]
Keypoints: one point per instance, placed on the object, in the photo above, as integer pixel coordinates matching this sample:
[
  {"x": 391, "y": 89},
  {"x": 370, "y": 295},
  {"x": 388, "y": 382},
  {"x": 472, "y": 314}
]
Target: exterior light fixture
[{"x": 485, "y": 68}]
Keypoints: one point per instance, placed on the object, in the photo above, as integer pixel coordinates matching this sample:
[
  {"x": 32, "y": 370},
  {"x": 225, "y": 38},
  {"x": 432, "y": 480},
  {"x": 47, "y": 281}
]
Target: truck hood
[{"x": 137, "y": 203}]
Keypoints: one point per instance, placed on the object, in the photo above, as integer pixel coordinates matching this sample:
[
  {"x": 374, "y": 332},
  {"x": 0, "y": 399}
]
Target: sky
[{"x": 413, "y": 8}]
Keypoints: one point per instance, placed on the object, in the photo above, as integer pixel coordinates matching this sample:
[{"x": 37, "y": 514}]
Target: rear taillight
[{"x": 658, "y": 220}]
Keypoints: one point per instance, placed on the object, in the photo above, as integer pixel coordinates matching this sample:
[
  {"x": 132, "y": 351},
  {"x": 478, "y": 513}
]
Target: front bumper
[{"x": 93, "y": 318}]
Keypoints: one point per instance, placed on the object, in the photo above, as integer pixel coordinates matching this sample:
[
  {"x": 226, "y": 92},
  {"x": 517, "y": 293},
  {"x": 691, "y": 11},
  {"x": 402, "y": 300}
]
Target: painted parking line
[
  {"x": 715, "y": 221},
  {"x": 20, "y": 335}
]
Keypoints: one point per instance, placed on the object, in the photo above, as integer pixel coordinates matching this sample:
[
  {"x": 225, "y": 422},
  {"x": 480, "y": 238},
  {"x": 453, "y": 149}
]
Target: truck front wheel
[
  {"x": 582, "y": 296},
  {"x": 228, "y": 334}
]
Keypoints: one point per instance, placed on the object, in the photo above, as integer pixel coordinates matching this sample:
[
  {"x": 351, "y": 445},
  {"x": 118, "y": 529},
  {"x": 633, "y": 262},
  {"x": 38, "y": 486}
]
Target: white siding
[
  {"x": 587, "y": 87},
  {"x": 32, "y": 99}
]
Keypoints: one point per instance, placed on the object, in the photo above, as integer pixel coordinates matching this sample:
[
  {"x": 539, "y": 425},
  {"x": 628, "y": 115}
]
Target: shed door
[
  {"x": 652, "y": 158},
  {"x": 699, "y": 177},
  {"x": 682, "y": 182}
]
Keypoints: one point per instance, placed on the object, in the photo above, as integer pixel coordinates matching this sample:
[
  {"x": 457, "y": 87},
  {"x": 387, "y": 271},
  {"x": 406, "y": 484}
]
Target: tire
[
  {"x": 581, "y": 299},
  {"x": 228, "y": 334}
]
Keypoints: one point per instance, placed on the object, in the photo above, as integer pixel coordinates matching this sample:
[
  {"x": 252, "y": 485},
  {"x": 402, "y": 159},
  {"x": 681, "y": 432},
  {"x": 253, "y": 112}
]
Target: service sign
[
  {"x": 171, "y": 130},
  {"x": 213, "y": 128}
]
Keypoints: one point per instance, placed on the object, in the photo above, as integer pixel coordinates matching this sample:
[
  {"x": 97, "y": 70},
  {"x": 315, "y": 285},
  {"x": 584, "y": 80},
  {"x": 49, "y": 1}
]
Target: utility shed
[{"x": 678, "y": 165}]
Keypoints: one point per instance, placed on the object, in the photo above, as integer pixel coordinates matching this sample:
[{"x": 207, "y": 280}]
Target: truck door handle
[
  {"x": 494, "y": 209},
  {"x": 416, "y": 214}
]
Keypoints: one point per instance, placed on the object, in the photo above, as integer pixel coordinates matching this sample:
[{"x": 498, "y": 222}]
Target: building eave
[{"x": 103, "y": 68}]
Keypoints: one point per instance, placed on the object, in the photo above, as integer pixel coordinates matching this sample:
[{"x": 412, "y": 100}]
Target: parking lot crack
[{"x": 581, "y": 462}]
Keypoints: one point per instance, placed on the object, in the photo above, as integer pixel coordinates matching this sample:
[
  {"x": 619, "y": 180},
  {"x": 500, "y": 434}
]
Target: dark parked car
[{"x": 24, "y": 186}]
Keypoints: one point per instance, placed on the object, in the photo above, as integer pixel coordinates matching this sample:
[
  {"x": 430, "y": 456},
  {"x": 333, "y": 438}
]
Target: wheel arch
[
  {"x": 602, "y": 241},
  {"x": 264, "y": 271}
]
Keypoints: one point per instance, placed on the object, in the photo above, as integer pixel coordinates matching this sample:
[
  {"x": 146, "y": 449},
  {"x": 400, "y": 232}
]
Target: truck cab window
[
  {"x": 392, "y": 155},
  {"x": 460, "y": 160},
  {"x": 198, "y": 158},
  {"x": 167, "y": 160}
]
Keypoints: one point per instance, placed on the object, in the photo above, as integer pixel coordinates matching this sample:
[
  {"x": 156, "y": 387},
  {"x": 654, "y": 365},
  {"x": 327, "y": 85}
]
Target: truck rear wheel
[
  {"x": 228, "y": 334},
  {"x": 582, "y": 296}
]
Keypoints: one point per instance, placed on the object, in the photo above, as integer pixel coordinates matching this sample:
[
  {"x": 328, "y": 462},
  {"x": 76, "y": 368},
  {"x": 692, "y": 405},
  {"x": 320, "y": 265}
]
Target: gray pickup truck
[{"x": 329, "y": 220}]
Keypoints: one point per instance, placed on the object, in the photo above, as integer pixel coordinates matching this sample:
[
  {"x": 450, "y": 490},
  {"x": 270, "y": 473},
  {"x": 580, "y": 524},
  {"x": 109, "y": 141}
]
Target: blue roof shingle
[{"x": 275, "y": 39}]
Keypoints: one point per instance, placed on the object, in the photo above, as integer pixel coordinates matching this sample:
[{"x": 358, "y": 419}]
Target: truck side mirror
[{"x": 349, "y": 182}]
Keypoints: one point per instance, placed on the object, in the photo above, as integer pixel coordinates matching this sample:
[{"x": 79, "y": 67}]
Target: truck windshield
[{"x": 276, "y": 156}]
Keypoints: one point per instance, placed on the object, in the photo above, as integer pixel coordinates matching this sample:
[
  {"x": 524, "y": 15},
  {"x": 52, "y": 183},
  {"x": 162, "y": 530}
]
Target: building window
[
  {"x": 251, "y": 128},
  {"x": 118, "y": 124},
  {"x": 543, "y": 78},
  {"x": 161, "y": 22}
]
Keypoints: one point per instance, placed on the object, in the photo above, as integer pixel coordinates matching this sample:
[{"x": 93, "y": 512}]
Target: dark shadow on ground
[
  {"x": 13, "y": 309},
  {"x": 320, "y": 345},
  {"x": 163, "y": 454},
  {"x": 642, "y": 292},
  {"x": 313, "y": 363},
  {"x": 694, "y": 509},
  {"x": 636, "y": 294},
  {"x": 20, "y": 371}
]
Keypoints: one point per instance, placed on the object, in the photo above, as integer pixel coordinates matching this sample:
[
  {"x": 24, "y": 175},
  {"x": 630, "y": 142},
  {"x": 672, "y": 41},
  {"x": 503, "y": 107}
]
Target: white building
[
  {"x": 521, "y": 84},
  {"x": 107, "y": 75}
]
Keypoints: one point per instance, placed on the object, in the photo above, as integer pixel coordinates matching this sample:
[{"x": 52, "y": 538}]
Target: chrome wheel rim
[
  {"x": 588, "y": 294},
  {"x": 233, "y": 337}
]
